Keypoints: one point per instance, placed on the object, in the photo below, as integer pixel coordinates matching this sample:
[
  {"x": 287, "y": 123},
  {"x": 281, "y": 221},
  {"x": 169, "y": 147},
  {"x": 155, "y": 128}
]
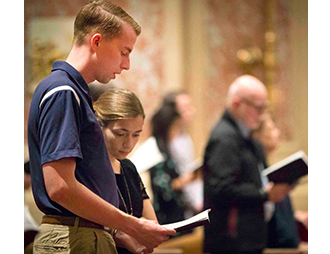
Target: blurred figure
[
  {"x": 169, "y": 128},
  {"x": 240, "y": 199},
  {"x": 31, "y": 227},
  {"x": 282, "y": 228},
  {"x": 166, "y": 155},
  {"x": 183, "y": 153},
  {"x": 121, "y": 117},
  {"x": 267, "y": 134}
]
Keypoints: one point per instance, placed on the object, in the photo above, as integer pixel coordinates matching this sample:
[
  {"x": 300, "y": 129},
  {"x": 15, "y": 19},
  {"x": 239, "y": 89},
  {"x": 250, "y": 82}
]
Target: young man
[
  {"x": 72, "y": 179},
  {"x": 233, "y": 187}
]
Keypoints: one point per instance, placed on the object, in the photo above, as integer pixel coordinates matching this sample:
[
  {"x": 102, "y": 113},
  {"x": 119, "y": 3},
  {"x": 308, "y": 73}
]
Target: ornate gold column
[{"x": 270, "y": 44}]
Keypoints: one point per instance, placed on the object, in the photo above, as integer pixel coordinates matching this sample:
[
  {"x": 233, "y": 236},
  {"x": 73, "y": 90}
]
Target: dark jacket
[
  {"x": 233, "y": 190},
  {"x": 282, "y": 228}
]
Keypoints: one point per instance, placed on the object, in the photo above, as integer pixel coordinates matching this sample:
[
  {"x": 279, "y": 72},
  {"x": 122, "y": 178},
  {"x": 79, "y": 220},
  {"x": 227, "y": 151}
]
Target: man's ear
[
  {"x": 95, "y": 41},
  {"x": 235, "y": 102}
]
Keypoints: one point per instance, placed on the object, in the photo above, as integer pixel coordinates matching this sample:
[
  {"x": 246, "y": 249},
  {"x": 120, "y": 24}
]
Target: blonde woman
[{"x": 121, "y": 117}]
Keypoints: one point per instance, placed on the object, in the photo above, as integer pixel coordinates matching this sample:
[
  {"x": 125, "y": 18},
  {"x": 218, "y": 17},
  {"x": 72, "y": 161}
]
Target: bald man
[{"x": 241, "y": 201}]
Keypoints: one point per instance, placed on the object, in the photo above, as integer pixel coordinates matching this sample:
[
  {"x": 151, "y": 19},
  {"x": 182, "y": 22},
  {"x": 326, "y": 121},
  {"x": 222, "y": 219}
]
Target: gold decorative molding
[
  {"x": 249, "y": 58},
  {"x": 270, "y": 45},
  {"x": 252, "y": 56},
  {"x": 42, "y": 56}
]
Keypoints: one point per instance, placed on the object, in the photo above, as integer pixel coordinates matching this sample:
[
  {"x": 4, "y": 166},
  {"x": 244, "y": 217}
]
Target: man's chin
[{"x": 105, "y": 81}]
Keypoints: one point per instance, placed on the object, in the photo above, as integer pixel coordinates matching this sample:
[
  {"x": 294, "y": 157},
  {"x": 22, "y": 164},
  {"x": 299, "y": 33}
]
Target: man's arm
[
  {"x": 63, "y": 188},
  {"x": 223, "y": 161}
]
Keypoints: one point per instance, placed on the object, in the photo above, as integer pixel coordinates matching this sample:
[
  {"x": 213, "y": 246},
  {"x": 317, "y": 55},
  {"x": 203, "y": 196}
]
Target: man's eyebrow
[{"x": 129, "y": 49}]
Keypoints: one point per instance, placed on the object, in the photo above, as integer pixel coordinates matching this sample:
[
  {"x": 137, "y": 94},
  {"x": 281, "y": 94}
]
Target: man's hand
[
  {"x": 126, "y": 241},
  {"x": 151, "y": 234},
  {"x": 277, "y": 192}
]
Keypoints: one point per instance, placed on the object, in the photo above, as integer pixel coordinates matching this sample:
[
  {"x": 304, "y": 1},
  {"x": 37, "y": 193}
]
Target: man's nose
[{"x": 126, "y": 63}]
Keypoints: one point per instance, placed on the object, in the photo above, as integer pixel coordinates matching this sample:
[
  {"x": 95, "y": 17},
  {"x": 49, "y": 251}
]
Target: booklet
[
  {"x": 195, "y": 221},
  {"x": 288, "y": 170}
]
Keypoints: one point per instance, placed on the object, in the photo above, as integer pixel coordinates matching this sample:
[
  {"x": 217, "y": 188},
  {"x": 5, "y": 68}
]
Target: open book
[
  {"x": 195, "y": 221},
  {"x": 288, "y": 170}
]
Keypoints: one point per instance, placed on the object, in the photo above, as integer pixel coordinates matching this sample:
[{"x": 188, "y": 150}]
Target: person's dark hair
[
  {"x": 27, "y": 167},
  {"x": 162, "y": 120},
  {"x": 103, "y": 17}
]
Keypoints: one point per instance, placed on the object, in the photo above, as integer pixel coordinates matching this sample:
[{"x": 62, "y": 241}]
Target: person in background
[
  {"x": 233, "y": 187},
  {"x": 121, "y": 117},
  {"x": 282, "y": 228},
  {"x": 72, "y": 179},
  {"x": 267, "y": 134},
  {"x": 169, "y": 123},
  {"x": 31, "y": 227},
  {"x": 182, "y": 151}
]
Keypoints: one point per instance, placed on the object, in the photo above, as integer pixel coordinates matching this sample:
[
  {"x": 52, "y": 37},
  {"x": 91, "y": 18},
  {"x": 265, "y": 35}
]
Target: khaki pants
[{"x": 76, "y": 240}]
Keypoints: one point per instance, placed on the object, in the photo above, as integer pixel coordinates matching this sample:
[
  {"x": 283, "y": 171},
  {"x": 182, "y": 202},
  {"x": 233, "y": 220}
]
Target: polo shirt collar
[{"x": 65, "y": 66}]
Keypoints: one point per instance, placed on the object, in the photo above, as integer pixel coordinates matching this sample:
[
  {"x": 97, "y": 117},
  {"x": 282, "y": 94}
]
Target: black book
[
  {"x": 195, "y": 221},
  {"x": 289, "y": 169}
]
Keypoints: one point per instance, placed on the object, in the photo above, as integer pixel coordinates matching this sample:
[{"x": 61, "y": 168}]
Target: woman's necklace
[{"x": 128, "y": 194}]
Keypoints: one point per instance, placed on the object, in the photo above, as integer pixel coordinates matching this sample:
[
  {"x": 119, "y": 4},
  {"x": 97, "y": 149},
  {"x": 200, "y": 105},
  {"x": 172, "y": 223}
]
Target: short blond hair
[
  {"x": 103, "y": 17},
  {"x": 116, "y": 104}
]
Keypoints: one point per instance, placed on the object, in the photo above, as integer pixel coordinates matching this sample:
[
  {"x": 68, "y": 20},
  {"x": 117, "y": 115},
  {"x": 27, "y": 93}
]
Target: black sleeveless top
[{"x": 136, "y": 189}]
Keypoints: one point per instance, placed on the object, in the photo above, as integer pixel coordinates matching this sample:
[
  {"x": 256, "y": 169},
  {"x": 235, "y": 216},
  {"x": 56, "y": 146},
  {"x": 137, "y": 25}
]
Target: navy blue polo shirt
[{"x": 62, "y": 124}]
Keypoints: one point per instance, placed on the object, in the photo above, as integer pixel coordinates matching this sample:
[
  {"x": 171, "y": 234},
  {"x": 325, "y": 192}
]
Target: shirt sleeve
[{"x": 59, "y": 126}]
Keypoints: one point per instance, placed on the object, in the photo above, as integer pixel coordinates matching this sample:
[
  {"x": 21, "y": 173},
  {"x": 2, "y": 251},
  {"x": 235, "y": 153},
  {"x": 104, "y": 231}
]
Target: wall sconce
[{"x": 250, "y": 57}]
